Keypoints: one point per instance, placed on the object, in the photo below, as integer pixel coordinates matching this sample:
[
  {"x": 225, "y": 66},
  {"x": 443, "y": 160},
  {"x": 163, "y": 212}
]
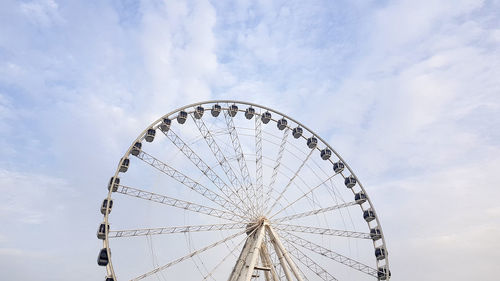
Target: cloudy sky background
[{"x": 408, "y": 92}]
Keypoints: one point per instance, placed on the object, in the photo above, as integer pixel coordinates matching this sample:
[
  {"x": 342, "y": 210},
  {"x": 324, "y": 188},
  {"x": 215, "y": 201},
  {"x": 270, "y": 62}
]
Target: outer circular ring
[{"x": 156, "y": 123}]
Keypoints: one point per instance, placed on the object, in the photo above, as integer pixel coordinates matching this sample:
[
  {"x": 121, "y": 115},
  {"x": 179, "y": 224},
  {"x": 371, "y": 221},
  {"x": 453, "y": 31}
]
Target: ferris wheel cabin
[
  {"x": 198, "y": 112},
  {"x": 338, "y": 167},
  {"x": 297, "y": 132},
  {"x": 233, "y": 109},
  {"x": 115, "y": 185},
  {"x": 350, "y": 181},
  {"x": 165, "y": 125},
  {"x": 101, "y": 231},
  {"x": 266, "y": 117},
  {"x": 216, "y": 109},
  {"x": 312, "y": 142},
  {"x": 150, "y": 135},
  {"x": 105, "y": 205},
  {"x": 102, "y": 258},
  {"x": 136, "y": 149},
  {"x": 282, "y": 124},
  {"x": 124, "y": 165},
  {"x": 182, "y": 117},
  {"x": 249, "y": 113}
]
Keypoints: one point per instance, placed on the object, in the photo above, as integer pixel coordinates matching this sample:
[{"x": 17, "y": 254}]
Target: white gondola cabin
[
  {"x": 182, "y": 117},
  {"x": 368, "y": 215},
  {"x": 124, "y": 165},
  {"x": 375, "y": 233},
  {"x": 115, "y": 184},
  {"x": 216, "y": 109},
  {"x": 297, "y": 132},
  {"x": 198, "y": 112},
  {"x": 101, "y": 231},
  {"x": 102, "y": 258},
  {"x": 105, "y": 205},
  {"x": 249, "y": 113},
  {"x": 326, "y": 153},
  {"x": 266, "y": 117},
  {"x": 281, "y": 124},
  {"x": 233, "y": 109},
  {"x": 338, "y": 167},
  {"x": 350, "y": 181},
  {"x": 383, "y": 273},
  {"x": 136, "y": 149},
  {"x": 360, "y": 197},
  {"x": 312, "y": 142},
  {"x": 380, "y": 253},
  {"x": 165, "y": 125},
  {"x": 150, "y": 135}
]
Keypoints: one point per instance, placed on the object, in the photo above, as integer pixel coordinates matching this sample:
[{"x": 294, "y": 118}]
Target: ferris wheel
[{"x": 231, "y": 190}]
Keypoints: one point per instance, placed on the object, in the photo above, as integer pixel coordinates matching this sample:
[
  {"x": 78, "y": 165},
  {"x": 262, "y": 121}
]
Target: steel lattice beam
[
  {"x": 329, "y": 253},
  {"x": 174, "y": 229},
  {"x": 314, "y": 212},
  {"x": 173, "y": 202},
  {"x": 187, "y": 181}
]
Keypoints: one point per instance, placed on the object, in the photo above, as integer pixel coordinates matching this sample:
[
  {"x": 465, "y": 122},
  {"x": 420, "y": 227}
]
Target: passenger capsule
[
  {"x": 124, "y": 165},
  {"x": 368, "y": 215},
  {"x": 350, "y": 181},
  {"x": 136, "y": 149},
  {"x": 282, "y": 123},
  {"x": 326, "y": 153},
  {"x": 102, "y": 258},
  {"x": 380, "y": 253},
  {"x": 266, "y": 117},
  {"x": 312, "y": 142},
  {"x": 115, "y": 185},
  {"x": 233, "y": 109},
  {"x": 249, "y": 113},
  {"x": 216, "y": 109},
  {"x": 105, "y": 205},
  {"x": 297, "y": 132},
  {"x": 165, "y": 125},
  {"x": 360, "y": 197},
  {"x": 101, "y": 231},
  {"x": 198, "y": 112},
  {"x": 150, "y": 135},
  {"x": 383, "y": 273},
  {"x": 338, "y": 167},
  {"x": 181, "y": 117},
  {"x": 375, "y": 233}
]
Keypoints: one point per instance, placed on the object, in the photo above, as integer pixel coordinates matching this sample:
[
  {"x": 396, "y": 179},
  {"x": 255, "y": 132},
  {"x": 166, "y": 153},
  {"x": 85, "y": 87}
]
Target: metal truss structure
[{"x": 290, "y": 206}]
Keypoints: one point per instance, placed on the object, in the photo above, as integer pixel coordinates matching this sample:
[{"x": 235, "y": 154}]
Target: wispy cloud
[{"x": 406, "y": 91}]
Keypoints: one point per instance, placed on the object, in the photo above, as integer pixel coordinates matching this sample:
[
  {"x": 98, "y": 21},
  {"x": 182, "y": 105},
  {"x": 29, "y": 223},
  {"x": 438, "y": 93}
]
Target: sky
[{"x": 406, "y": 91}]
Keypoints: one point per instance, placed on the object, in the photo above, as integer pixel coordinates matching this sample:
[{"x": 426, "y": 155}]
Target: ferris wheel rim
[{"x": 155, "y": 124}]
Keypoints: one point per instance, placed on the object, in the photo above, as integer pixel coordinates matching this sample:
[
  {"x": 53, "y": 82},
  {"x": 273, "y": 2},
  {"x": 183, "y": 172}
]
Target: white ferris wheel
[{"x": 231, "y": 190}]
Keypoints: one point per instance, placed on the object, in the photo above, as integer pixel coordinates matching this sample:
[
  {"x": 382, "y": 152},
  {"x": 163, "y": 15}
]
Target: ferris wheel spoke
[
  {"x": 314, "y": 212},
  {"x": 278, "y": 162},
  {"x": 223, "y": 260},
  {"x": 322, "y": 231},
  {"x": 240, "y": 157},
  {"x": 291, "y": 180},
  {"x": 188, "y": 256},
  {"x": 219, "y": 155},
  {"x": 329, "y": 253},
  {"x": 205, "y": 169},
  {"x": 181, "y": 204},
  {"x": 308, "y": 262},
  {"x": 174, "y": 229},
  {"x": 303, "y": 196},
  {"x": 258, "y": 162},
  {"x": 187, "y": 181}
]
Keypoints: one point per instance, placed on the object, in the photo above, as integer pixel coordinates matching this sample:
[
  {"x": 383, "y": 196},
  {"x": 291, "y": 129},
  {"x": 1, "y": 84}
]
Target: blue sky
[{"x": 407, "y": 91}]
